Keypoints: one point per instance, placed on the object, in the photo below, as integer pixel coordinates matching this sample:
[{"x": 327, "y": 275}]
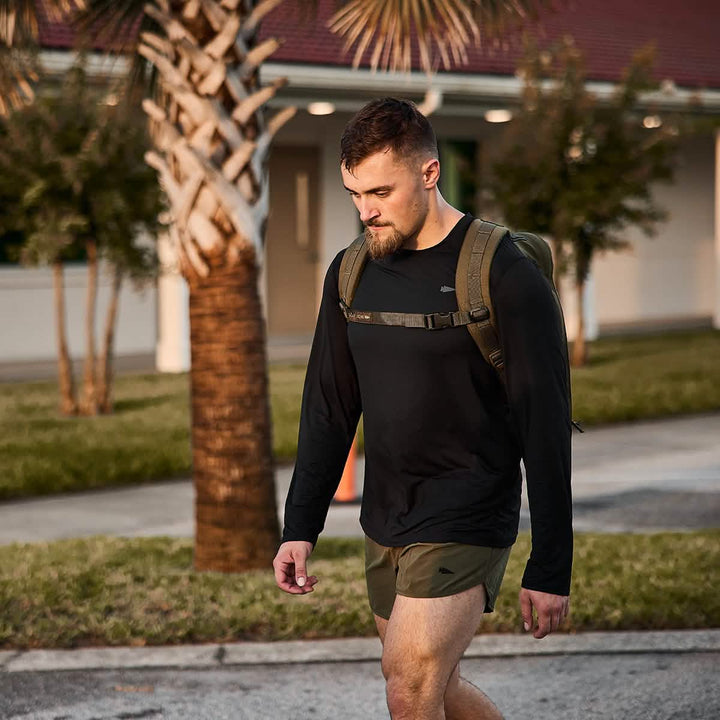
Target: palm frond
[
  {"x": 18, "y": 70},
  {"x": 443, "y": 29},
  {"x": 117, "y": 26},
  {"x": 112, "y": 24},
  {"x": 19, "y": 31}
]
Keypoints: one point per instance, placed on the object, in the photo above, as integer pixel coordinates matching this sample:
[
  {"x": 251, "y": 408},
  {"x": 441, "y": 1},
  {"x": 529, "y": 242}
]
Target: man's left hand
[{"x": 550, "y": 610}]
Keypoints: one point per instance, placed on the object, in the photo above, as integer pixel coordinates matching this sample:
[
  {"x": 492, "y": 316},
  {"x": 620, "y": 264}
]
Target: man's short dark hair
[{"x": 387, "y": 123}]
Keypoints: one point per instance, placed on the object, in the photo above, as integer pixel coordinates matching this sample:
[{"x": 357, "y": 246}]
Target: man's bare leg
[
  {"x": 465, "y": 701},
  {"x": 422, "y": 645}
]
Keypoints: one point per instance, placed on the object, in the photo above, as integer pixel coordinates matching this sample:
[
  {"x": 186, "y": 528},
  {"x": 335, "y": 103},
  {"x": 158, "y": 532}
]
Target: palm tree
[{"x": 211, "y": 141}]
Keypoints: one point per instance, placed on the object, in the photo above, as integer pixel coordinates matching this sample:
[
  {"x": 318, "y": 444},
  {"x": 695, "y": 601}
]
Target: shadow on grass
[
  {"x": 141, "y": 403},
  {"x": 597, "y": 358}
]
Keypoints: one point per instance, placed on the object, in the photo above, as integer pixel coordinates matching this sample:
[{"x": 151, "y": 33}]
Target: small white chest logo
[{"x": 446, "y": 288}]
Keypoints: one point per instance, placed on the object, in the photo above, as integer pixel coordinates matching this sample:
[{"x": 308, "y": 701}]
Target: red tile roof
[{"x": 685, "y": 34}]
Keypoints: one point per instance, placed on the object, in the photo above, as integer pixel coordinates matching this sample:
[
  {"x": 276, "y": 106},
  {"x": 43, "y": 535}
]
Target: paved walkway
[{"x": 650, "y": 475}]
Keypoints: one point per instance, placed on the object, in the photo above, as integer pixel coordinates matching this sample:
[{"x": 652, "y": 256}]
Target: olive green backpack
[{"x": 472, "y": 288}]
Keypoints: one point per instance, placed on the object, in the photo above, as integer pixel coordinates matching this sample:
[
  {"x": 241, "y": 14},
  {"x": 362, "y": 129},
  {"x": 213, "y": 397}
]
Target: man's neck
[{"x": 436, "y": 227}]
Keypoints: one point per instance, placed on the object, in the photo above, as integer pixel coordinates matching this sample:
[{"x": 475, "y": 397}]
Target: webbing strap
[
  {"x": 429, "y": 321},
  {"x": 351, "y": 267},
  {"x": 472, "y": 284}
]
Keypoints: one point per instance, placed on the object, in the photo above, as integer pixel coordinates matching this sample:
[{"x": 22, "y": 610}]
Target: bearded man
[{"x": 444, "y": 436}]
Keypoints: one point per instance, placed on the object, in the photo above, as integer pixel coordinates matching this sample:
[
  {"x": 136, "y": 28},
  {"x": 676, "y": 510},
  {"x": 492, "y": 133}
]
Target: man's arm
[
  {"x": 328, "y": 419},
  {"x": 535, "y": 352}
]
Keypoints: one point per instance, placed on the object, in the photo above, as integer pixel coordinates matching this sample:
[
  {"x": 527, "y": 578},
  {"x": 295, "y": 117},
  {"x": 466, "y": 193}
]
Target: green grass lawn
[
  {"x": 147, "y": 437},
  {"x": 111, "y": 591},
  {"x": 632, "y": 378}
]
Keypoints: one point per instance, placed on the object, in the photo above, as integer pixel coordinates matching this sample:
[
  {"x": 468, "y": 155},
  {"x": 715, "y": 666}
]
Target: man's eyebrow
[{"x": 380, "y": 188}]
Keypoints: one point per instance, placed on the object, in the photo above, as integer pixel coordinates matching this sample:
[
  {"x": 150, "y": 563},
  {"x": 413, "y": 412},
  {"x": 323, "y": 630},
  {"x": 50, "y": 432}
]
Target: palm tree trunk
[
  {"x": 235, "y": 507},
  {"x": 579, "y": 353},
  {"x": 105, "y": 369},
  {"x": 68, "y": 404},
  {"x": 89, "y": 404}
]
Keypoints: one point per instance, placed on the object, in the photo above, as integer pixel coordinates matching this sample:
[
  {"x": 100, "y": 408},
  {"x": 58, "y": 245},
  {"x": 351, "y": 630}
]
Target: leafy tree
[
  {"x": 578, "y": 168},
  {"x": 211, "y": 142},
  {"x": 73, "y": 173}
]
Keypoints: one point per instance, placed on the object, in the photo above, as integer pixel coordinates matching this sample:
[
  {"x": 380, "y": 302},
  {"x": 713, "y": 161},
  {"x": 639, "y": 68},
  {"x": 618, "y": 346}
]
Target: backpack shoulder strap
[
  {"x": 472, "y": 287},
  {"x": 351, "y": 267}
]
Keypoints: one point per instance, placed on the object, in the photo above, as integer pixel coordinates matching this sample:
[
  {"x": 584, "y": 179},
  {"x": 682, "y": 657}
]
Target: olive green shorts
[{"x": 429, "y": 570}]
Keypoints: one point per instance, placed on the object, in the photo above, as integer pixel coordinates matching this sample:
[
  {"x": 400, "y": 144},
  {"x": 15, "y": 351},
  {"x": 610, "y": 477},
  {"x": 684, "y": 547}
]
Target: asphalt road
[{"x": 582, "y": 687}]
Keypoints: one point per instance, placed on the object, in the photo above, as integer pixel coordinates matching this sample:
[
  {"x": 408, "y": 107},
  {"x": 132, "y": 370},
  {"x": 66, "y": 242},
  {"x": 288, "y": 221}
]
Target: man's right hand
[{"x": 290, "y": 565}]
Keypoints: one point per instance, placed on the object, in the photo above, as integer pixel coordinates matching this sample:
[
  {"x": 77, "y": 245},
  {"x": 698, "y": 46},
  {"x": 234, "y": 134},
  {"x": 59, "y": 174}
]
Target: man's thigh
[{"x": 431, "y": 633}]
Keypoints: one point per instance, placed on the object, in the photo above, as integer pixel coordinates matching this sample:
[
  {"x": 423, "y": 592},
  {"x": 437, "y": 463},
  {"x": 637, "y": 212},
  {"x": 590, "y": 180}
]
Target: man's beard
[{"x": 382, "y": 245}]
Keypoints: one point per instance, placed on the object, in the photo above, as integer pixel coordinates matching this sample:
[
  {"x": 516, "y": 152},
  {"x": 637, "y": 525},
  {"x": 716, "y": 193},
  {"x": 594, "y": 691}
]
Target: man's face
[{"x": 392, "y": 199}]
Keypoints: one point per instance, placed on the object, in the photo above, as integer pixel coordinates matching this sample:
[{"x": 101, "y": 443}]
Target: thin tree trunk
[
  {"x": 557, "y": 272},
  {"x": 68, "y": 404},
  {"x": 235, "y": 507},
  {"x": 89, "y": 402},
  {"x": 105, "y": 362},
  {"x": 579, "y": 353}
]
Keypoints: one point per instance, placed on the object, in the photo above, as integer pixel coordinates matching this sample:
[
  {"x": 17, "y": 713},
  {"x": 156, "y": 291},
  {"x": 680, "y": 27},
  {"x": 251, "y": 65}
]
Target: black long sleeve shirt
[{"x": 443, "y": 437}]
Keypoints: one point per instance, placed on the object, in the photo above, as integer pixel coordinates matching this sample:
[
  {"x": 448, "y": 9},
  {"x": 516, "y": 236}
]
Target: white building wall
[
  {"x": 340, "y": 220},
  {"x": 669, "y": 278},
  {"x": 27, "y": 319}
]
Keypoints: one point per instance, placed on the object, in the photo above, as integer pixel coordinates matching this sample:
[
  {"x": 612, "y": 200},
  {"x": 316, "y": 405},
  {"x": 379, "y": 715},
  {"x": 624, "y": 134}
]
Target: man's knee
[{"x": 413, "y": 680}]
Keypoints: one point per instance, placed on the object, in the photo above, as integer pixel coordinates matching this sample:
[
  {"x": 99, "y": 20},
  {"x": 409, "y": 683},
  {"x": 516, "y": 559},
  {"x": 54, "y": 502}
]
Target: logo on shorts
[{"x": 445, "y": 571}]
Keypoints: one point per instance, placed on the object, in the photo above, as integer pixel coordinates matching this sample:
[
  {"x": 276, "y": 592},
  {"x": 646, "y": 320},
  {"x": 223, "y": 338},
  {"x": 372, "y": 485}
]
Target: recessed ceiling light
[
  {"x": 498, "y": 116},
  {"x": 321, "y": 108},
  {"x": 652, "y": 121}
]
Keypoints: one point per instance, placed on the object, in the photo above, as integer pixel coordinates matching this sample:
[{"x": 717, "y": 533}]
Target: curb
[{"x": 211, "y": 656}]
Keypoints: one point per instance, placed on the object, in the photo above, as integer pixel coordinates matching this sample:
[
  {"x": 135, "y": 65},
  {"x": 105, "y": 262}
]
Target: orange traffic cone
[{"x": 346, "y": 489}]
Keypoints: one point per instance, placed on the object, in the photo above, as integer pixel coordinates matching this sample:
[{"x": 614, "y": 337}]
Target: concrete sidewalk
[
  {"x": 352, "y": 650},
  {"x": 663, "y": 474},
  {"x": 597, "y": 676}
]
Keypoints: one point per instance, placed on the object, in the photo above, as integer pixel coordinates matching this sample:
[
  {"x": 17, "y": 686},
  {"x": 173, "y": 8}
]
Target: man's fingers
[
  {"x": 300, "y": 572},
  {"x": 281, "y": 577},
  {"x": 544, "y": 624},
  {"x": 526, "y": 610},
  {"x": 287, "y": 583}
]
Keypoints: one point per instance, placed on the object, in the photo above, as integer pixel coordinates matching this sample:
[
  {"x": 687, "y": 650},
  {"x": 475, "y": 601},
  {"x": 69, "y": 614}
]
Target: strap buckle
[
  {"x": 479, "y": 314},
  {"x": 438, "y": 321}
]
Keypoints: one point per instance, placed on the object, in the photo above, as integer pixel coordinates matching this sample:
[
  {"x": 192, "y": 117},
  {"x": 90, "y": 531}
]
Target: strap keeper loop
[{"x": 479, "y": 314}]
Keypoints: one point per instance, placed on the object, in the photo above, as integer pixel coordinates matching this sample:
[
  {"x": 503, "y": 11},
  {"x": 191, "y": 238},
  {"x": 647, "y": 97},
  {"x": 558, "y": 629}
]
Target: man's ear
[{"x": 431, "y": 173}]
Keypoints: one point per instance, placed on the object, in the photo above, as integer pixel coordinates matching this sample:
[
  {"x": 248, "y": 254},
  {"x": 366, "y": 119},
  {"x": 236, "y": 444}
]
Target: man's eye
[{"x": 381, "y": 194}]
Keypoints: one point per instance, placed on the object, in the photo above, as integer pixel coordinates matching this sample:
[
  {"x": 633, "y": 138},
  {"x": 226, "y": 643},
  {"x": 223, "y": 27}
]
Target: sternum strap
[{"x": 429, "y": 321}]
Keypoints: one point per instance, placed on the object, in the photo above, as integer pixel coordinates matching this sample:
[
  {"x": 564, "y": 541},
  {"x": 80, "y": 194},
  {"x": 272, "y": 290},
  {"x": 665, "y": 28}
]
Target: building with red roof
[{"x": 672, "y": 280}]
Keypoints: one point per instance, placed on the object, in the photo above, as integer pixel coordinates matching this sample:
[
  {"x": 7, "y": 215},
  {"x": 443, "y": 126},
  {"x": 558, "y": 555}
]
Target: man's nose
[{"x": 367, "y": 210}]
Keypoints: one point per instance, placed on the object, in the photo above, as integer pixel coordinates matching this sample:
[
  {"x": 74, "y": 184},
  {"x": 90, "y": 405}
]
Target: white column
[
  {"x": 568, "y": 293},
  {"x": 591, "y": 323},
  {"x": 172, "y": 353},
  {"x": 716, "y": 309}
]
